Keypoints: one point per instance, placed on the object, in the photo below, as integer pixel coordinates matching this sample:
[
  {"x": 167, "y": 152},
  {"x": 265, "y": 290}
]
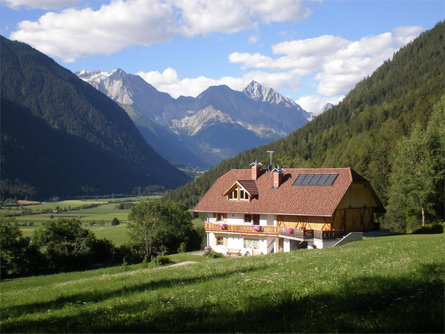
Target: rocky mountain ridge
[{"x": 262, "y": 113}]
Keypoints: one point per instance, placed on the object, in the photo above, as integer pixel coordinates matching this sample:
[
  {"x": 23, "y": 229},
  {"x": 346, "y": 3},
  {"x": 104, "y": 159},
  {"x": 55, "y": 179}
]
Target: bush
[
  {"x": 115, "y": 222},
  {"x": 214, "y": 255},
  {"x": 161, "y": 260},
  {"x": 182, "y": 247},
  {"x": 430, "y": 229}
]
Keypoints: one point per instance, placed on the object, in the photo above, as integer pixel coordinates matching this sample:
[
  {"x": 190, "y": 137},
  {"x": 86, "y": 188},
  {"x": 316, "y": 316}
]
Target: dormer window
[
  {"x": 243, "y": 190},
  {"x": 238, "y": 193}
]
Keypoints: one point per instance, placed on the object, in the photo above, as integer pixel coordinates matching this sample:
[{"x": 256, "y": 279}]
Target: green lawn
[{"x": 385, "y": 284}]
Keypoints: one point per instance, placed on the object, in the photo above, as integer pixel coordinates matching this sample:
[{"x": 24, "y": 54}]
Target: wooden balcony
[
  {"x": 243, "y": 229},
  {"x": 328, "y": 234},
  {"x": 300, "y": 234},
  {"x": 311, "y": 234}
]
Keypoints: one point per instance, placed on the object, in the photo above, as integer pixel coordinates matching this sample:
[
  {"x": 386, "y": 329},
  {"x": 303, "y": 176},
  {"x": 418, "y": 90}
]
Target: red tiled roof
[
  {"x": 250, "y": 186},
  {"x": 287, "y": 199}
]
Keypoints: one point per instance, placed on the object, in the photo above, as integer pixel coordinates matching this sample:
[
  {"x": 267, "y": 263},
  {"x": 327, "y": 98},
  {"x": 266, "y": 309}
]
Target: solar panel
[
  {"x": 307, "y": 179},
  {"x": 331, "y": 179},
  {"x": 324, "y": 178},
  {"x": 315, "y": 180}
]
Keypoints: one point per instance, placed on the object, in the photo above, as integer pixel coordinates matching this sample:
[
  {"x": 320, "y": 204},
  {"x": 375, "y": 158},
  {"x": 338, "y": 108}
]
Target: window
[
  {"x": 252, "y": 243},
  {"x": 235, "y": 193},
  {"x": 238, "y": 193},
  {"x": 252, "y": 218},
  {"x": 246, "y": 195},
  {"x": 220, "y": 241},
  {"x": 220, "y": 216}
]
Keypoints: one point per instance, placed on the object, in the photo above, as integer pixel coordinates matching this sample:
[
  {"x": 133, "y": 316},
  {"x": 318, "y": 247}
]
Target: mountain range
[
  {"x": 367, "y": 131},
  {"x": 202, "y": 131},
  {"x": 61, "y": 137}
]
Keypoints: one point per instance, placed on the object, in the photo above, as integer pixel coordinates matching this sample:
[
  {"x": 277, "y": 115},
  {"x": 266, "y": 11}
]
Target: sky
[{"x": 313, "y": 52}]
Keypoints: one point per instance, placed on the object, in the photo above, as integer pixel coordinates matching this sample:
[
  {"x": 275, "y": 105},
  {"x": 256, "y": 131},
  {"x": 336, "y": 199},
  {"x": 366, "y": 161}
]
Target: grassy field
[
  {"x": 385, "y": 284},
  {"x": 97, "y": 218}
]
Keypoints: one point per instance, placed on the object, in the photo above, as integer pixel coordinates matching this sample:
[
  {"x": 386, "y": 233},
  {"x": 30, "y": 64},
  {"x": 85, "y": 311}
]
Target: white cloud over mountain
[
  {"x": 332, "y": 64},
  {"x": 335, "y": 63}
]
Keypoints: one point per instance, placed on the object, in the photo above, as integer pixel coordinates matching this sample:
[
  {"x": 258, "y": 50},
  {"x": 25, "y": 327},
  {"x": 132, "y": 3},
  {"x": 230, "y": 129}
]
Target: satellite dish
[{"x": 270, "y": 168}]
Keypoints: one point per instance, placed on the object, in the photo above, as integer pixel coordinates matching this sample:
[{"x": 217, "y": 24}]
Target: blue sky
[{"x": 311, "y": 51}]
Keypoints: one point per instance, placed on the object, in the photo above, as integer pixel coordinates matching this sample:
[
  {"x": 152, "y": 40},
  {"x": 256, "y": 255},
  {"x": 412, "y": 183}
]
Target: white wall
[
  {"x": 235, "y": 218},
  {"x": 286, "y": 245}
]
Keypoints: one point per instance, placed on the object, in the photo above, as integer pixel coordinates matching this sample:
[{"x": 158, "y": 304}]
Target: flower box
[
  {"x": 208, "y": 250},
  {"x": 223, "y": 226},
  {"x": 289, "y": 230},
  {"x": 257, "y": 228}
]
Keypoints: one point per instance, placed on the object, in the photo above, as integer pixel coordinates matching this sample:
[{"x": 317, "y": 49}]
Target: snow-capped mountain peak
[{"x": 258, "y": 92}]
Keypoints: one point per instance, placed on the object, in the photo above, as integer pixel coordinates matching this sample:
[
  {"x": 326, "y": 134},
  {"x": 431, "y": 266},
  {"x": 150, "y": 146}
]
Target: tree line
[{"x": 62, "y": 245}]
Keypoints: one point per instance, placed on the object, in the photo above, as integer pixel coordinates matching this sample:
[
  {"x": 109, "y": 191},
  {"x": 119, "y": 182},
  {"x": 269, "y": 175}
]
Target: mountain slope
[
  {"x": 261, "y": 113},
  {"x": 364, "y": 129},
  {"x": 35, "y": 88}
]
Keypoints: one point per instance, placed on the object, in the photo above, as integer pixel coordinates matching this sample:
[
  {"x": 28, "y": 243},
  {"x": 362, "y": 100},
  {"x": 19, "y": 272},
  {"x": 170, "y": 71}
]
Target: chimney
[
  {"x": 256, "y": 169},
  {"x": 277, "y": 176}
]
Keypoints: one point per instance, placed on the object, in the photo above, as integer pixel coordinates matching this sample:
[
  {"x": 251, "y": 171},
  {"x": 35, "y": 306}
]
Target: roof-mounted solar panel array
[{"x": 315, "y": 179}]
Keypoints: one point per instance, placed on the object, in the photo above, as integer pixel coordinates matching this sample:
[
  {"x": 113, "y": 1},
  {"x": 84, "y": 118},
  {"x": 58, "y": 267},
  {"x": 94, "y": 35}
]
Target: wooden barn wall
[
  {"x": 357, "y": 196},
  {"x": 356, "y": 210},
  {"x": 307, "y": 222}
]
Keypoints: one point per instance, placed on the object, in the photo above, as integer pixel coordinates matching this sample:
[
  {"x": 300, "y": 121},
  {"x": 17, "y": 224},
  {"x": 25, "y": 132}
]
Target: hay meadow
[{"x": 384, "y": 284}]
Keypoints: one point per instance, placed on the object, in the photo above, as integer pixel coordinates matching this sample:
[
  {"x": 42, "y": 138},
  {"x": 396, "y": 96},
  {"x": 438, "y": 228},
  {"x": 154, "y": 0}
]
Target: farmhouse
[{"x": 255, "y": 211}]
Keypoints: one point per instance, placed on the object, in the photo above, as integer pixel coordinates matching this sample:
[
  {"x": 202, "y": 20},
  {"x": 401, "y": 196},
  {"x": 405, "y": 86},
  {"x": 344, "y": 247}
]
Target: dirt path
[{"x": 125, "y": 273}]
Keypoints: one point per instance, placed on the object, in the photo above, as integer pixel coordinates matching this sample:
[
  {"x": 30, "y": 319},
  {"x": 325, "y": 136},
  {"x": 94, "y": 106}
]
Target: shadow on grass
[
  {"x": 98, "y": 296},
  {"x": 413, "y": 303}
]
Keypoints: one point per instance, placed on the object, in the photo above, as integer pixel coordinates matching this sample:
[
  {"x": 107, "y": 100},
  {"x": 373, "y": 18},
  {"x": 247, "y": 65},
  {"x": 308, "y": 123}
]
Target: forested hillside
[
  {"x": 61, "y": 137},
  {"x": 369, "y": 131}
]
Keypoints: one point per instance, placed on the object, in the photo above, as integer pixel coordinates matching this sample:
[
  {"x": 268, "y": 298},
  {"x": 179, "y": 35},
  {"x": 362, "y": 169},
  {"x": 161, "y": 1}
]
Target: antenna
[{"x": 270, "y": 168}]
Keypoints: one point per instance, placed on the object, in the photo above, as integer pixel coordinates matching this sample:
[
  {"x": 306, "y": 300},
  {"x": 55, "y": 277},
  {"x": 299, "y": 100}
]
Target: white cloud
[
  {"x": 41, "y": 4},
  {"x": 404, "y": 35},
  {"x": 268, "y": 11},
  {"x": 314, "y": 103},
  {"x": 255, "y": 60},
  {"x": 199, "y": 17},
  {"x": 336, "y": 63},
  {"x": 310, "y": 47},
  {"x": 168, "y": 81},
  {"x": 75, "y": 33}
]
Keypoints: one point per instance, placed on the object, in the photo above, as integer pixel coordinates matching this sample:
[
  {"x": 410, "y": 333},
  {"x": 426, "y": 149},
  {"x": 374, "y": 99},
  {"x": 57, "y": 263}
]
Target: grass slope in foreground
[{"x": 386, "y": 284}]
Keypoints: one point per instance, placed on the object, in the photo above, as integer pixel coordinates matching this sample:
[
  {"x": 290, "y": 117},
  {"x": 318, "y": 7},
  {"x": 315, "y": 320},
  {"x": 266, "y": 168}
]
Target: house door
[{"x": 280, "y": 245}]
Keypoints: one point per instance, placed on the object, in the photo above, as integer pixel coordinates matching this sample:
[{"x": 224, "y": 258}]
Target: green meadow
[
  {"x": 97, "y": 218},
  {"x": 384, "y": 284}
]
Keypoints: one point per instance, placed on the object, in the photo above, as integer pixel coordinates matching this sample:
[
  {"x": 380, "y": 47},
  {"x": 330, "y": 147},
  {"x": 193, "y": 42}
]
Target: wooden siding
[
  {"x": 358, "y": 196},
  {"x": 356, "y": 210},
  {"x": 306, "y": 222}
]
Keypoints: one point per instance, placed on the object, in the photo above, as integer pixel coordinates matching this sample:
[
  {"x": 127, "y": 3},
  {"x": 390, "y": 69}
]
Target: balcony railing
[
  {"x": 275, "y": 230},
  {"x": 241, "y": 228},
  {"x": 328, "y": 234},
  {"x": 297, "y": 233}
]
